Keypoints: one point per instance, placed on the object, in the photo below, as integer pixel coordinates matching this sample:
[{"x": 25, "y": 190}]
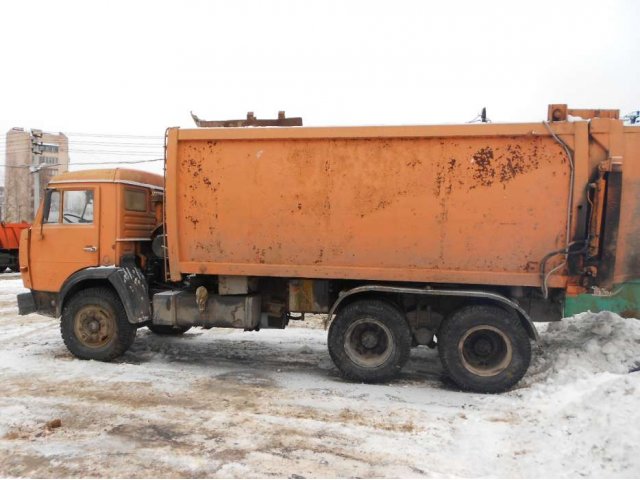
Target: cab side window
[
  {"x": 53, "y": 215},
  {"x": 135, "y": 200},
  {"x": 77, "y": 206}
]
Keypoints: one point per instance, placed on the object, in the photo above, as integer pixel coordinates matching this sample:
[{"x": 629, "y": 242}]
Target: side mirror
[{"x": 45, "y": 208}]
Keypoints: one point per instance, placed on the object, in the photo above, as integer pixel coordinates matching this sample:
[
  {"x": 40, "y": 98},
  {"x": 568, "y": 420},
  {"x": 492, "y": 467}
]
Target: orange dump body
[
  {"x": 467, "y": 204},
  {"x": 10, "y": 235}
]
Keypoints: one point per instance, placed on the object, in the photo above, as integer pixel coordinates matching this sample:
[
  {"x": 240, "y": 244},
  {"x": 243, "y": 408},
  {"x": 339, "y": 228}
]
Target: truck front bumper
[{"x": 34, "y": 301}]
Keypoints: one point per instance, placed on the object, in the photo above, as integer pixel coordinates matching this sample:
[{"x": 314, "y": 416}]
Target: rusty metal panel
[{"x": 380, "y": 205}]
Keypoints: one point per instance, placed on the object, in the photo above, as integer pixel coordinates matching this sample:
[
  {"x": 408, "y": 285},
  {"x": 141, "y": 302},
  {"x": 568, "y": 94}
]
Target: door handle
[{"x": 90, "y": 249}]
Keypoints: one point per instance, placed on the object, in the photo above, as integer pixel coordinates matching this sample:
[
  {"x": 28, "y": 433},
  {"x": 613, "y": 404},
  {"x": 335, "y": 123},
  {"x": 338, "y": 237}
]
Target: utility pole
[{"x": 36, "y": 150}]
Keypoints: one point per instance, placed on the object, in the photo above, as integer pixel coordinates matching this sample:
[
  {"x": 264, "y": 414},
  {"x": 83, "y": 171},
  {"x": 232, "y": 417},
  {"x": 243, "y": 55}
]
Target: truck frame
[{"x": 454, "y": 237}]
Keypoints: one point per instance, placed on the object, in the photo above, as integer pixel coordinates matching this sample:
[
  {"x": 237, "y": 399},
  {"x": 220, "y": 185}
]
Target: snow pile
[
  {"x": 585, "y": 346},
  {"x": 583, "y": 390}
]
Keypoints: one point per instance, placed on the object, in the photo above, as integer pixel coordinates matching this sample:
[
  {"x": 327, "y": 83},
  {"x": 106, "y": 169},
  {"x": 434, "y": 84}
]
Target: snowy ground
[{"x": 222, "y": 403}]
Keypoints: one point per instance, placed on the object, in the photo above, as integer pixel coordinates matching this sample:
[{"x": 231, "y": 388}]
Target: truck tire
[
  {"x": 484, "y": 349},
  {"x": 369, "y": 341},
  {"x": 167, "y": 329},
  {"x": 94, "y": 325}
]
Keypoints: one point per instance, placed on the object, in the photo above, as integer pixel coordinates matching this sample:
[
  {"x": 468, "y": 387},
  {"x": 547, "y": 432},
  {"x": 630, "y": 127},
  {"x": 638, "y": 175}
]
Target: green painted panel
[{"x": 625, "y": 301}]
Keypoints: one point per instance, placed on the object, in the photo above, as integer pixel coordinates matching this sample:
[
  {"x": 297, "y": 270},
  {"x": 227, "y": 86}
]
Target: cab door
[{"x": 65, "y": 236}]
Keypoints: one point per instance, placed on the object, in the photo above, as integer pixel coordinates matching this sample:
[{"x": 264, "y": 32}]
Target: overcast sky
[{"x": 135, "y": 68}]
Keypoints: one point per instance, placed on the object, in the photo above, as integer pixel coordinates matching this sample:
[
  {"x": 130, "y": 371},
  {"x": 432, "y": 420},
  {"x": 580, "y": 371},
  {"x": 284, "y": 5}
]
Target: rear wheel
[
  {"x": 369, "y": 341},
  {"x": 484, "y": 349},
  {"x": 167, "y": 329},
  {"x": 94, "y": 325}
]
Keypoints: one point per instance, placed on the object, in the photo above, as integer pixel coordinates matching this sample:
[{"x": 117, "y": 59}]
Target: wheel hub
[
  {"x": 482, "y": 347},
  {"x": 369, "y": 339},
  {"x": 368, "y": 343},
  {"x": 485, "y": 350},
  {"x": 94, "y": 326}
]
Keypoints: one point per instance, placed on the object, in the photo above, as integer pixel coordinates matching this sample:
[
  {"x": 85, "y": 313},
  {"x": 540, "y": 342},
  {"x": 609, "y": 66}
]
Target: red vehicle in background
[{"x": 9, "y": 242}]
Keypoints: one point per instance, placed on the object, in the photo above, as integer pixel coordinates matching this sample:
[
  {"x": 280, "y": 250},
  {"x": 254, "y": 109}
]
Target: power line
[
  {"x": 81, "y": 142},
  {"x": 102, "y": 135},
  {"x": 89, "y": 137},
  {"x": 72, "y": 164},
  {"x": 97, "y": 139},
  {"x": 84, "y": 151},
  {"x": 108, "y": 135},
  {"x": 94, "y": 141},
  {"x": 121, "y": 161}
]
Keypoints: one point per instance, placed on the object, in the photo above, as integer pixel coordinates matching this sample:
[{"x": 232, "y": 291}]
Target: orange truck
[
  {"x": 454, "y": 237},
  {"x": 9, "y": 243}
]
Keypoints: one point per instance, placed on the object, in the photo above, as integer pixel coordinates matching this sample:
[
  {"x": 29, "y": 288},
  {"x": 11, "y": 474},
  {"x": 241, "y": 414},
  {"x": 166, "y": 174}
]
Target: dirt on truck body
[{"x": 457, "y": 237}]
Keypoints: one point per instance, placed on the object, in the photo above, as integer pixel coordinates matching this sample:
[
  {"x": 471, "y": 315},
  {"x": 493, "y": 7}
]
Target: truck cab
[{"x": 90, "y": 230}]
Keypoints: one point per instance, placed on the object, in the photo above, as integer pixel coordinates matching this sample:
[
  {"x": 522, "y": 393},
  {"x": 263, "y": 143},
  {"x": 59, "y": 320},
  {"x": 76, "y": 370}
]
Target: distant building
[
  {"x": 1, "y": 203},
  {"x": 26, "y": 152}
]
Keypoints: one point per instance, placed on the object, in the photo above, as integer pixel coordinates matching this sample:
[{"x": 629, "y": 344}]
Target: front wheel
[
  {"x": 94, "y": 325},
  {"x": 484, "y": 349},
  {"x": 369, "y": 341}
]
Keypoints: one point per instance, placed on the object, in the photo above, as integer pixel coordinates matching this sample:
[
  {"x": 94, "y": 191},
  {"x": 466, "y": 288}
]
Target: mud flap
[
  {"x": 133, "y": 291},
  {"x": 26, "y": 304}
]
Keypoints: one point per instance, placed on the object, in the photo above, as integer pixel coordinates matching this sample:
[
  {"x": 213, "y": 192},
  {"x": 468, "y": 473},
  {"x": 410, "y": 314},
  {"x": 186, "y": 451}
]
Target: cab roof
[{"x": 115, "y": 175}]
